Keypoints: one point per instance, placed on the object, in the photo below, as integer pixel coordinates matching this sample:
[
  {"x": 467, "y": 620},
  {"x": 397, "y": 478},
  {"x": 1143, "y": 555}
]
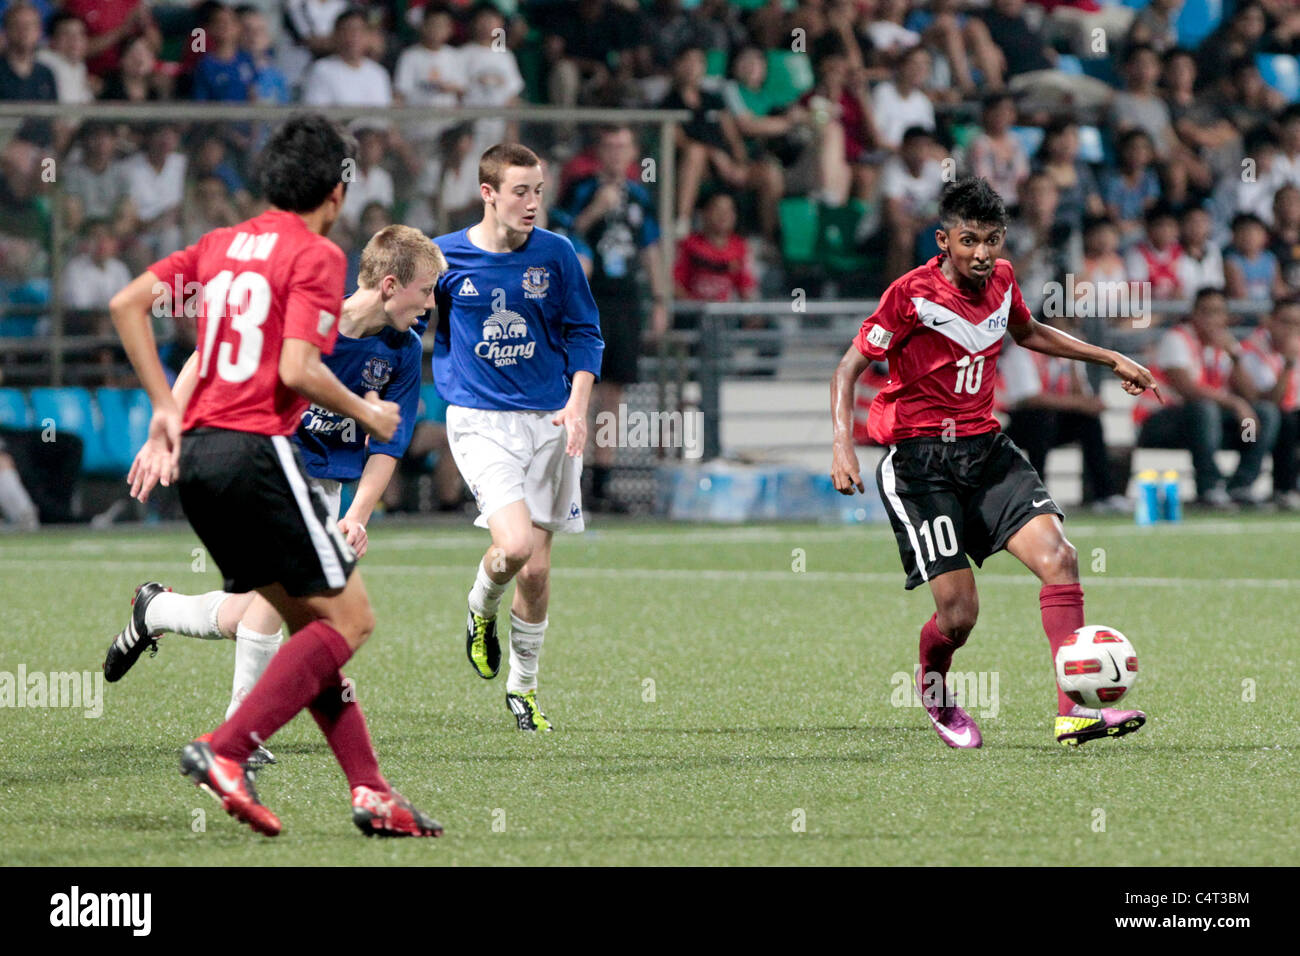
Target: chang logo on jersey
[
  {"x": 536, "y": 281},
  {"x": 376, "y": 372},
  {"x": 501, "y": 334},
  {"x": 324, "y": 423}
]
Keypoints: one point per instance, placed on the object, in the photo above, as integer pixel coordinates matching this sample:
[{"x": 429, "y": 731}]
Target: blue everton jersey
[
  {"x": 513, "y": 327},
  {"x": 387, "y": 362}
]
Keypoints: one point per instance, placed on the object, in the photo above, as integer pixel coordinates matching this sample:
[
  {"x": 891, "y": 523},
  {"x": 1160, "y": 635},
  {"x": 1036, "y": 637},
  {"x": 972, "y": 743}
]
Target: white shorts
[
  {"x": 517, "y": 456},
  {"x": 333, "y": 492}
]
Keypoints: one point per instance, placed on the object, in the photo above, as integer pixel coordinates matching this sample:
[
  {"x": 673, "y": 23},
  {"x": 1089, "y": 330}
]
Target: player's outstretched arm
[
  {"x": 130, "y": 310},
  {"x": 574, "y": 414},
  {"x": 303, "y": 371},
  {"x": 845, "y": 470},
  {"x": 1034, "y": 335}
]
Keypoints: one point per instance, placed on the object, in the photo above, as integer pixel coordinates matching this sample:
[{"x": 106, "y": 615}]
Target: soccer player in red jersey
[
  {"x": 271, "y": 289},
  {"x": 952, "y": 483}
]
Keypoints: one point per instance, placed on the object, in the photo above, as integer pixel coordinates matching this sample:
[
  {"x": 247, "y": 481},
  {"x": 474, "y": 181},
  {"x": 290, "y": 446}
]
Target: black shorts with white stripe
[
  {"x": 251, "y": 504},
  {"x": 948, "y": 500}
]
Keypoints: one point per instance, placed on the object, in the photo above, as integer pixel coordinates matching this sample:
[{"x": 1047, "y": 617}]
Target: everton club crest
[
  {"x": 377, "y": 372},
  {"x": 536, "y": 281}
]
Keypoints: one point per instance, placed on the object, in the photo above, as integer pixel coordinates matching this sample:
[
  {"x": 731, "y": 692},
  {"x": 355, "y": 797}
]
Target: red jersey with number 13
[
  {"x": 942, "y": 345},
  {"x": 266, "y": 280}
]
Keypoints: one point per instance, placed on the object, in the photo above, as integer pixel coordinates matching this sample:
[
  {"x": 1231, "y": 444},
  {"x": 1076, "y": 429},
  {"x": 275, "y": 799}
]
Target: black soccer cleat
[
  {"x": 528, "y": 715},
  {"x": 134, "y": 638}
]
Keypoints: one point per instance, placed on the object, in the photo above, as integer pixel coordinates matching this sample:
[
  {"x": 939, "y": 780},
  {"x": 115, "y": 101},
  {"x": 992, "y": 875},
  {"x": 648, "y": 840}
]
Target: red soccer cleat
[
  {"x": 390, "y": 814},
  {"x": 228, "y": 782}
]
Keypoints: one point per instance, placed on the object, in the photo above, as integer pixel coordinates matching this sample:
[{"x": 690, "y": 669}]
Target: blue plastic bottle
[
  {"x": 1173, "y": 506},
  {"x": 1148, "y": 499}
]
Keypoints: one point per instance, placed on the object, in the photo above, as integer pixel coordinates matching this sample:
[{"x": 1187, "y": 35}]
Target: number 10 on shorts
[{"x": 943, "y": 534}]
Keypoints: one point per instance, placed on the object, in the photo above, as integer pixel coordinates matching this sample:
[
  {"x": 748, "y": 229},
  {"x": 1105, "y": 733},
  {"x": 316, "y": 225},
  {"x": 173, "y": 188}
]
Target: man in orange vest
[
  {"x": 1270, "y": 358},
  {"x": 1200, "y": 362}
]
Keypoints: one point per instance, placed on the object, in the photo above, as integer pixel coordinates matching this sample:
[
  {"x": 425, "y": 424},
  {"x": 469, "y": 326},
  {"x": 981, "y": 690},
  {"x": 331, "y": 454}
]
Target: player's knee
[
  {"x": 1060, "y": 564},
  {"x": 957, "y": 617},
  {"x": 513, "y": 552}
]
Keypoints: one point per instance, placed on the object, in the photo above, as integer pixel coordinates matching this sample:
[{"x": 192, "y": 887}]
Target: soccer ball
[{"x": 1096, "y": 666}]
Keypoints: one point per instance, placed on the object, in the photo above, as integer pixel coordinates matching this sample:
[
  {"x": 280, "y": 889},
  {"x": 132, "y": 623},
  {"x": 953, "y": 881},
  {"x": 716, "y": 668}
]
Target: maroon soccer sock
[
  {"x": 297, "y": 674},
  {"x": 339, "y": 717},
  {"x": 1062, "y": 607},
  {"x": 937, "y": 649}
]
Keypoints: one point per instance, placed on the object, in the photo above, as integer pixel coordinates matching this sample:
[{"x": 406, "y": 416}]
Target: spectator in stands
[
  {"x": 1050, "y": 405},
  {"x": 208, "y": 206},
  {"x": 1156, "y": 26},
  {"x": 94, "y": 186},
  {"x": 1157, "y": 257},
  {"x": 371, "y": 182},
  {"x": 66, "y": 59},
  {"x": 943, "y": 28},
  {"x": 494, "y": 77},
  {"x": 1080, "y": 22},
  {"x": 769, "y": 128},
  {"x": 22, "y": 78},
  {"x": 373, "y": 218},
  {"x": 1250, "y": 268},
  {"x": 269, "y": 85},
  {"x": 1288, "y": 157},
  {"x": 843, "y": 116},
  {"x": 710, "y": 142},
  {"x": 1195, "y": 363},
  {"x": 1134, "y": 187},
  {"x": 1251, "y": 187},
  {"x": 592, "y": 50},
  {"x": 155, "y": 179},
  {"x": 1011, "y": 52},
  {"x": 314, "y": 23},
  {"x": 997, "y": 154},
  {"x": 448, "y": 195},
  {"x": 1269, "y": 359},
  {"x": 886, "y": 33},
  {"x": 1139, "y": 105},
  {"x": 15, "y": 503},
  {"x": 614, "y": 216},
  {"x": 1238, "y": 37},
  {"x": 211, "y": 159},
  {"x": 901, "y": 103},
  {"x": 1076, "y": 184},
  {"x": 136, "y": 80},
  {"x": 348, "y": 77},
  {"x": 713, "y": 264},
  {"x": 1200, "y": 124},
  {"x": 1102, "y": 262},
  {"x": 1201, "y": 264},
  {"x": 110, "y": 24},
  {"x": 431, "y": 73},
  {"x": 1244, "y": 97},
  {"x": 910, "y": 183},
  {"x": 225, "y": 73},
  {"x": 1041, "y": 245},
  {"x": 1284, "y": 238},
  {"x": 92, "y": 277}
]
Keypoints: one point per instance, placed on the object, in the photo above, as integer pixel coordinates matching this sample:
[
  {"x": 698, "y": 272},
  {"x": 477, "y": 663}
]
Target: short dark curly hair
[
  {"x": 971, "y": 199},
  {"x": 303, "y": 161}
]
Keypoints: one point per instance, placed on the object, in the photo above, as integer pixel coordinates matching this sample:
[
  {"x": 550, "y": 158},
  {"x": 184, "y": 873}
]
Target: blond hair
[
  {"x": 400, "y": 252},
  {"x": 492, "y": 165}
]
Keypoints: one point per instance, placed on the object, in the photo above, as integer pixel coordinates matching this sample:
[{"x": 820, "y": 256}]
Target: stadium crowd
[{"x": 1153, "y": 142}]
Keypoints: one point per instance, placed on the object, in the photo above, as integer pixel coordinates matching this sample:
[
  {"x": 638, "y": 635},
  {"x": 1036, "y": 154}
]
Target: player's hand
[
  {"x": 384, "y": 417},
  {"x": 1134, "y": 378},
  {"x": 355, "y": 532},
  {"x": 575, "y": 423},
  {"x": 158, "y": 461},
  {"x": 845, "y": 470}
]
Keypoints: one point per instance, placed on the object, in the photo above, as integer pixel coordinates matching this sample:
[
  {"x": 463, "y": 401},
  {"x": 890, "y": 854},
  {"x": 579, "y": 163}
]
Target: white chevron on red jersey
[{"x": 942, "y": 345}]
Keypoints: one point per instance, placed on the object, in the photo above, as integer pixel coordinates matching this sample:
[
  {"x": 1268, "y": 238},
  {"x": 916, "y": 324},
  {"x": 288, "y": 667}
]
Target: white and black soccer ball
[{"x": 1096, "y": 666}]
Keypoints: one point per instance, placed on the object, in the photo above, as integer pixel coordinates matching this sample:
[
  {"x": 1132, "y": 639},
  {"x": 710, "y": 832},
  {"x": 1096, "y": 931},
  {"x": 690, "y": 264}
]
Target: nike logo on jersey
[
  {"x": 1039, "y": 504},
  {"x": 467, "y": 288}
]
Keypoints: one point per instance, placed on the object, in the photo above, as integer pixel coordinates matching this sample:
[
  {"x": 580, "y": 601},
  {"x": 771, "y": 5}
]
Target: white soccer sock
[
  {"x": 193, "y": 615},
  {"x": 525, "y": 648},
  {"x": 485, "y": 595},
  {"x": 253, "y": 652},
  {"x": 14, "y": 501}
]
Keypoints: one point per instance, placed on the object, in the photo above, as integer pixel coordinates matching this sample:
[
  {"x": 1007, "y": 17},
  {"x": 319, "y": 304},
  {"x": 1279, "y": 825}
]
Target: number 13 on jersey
[{"x": 244, "y": 299}]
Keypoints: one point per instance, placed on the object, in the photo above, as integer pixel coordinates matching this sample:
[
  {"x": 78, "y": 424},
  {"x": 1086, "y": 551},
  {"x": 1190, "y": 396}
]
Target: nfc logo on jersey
[
  {"x": 246, "y": 246},
  {"x": 505, "y": 325},
  {"x": 998, "y": 320}
]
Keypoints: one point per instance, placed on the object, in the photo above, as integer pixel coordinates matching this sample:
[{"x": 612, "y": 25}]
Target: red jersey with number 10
[
  {"x": 261, "y": 282},
  {"x": 942, "y": 345}
]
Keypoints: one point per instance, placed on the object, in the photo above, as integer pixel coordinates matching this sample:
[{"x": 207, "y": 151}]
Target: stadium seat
[
  {"x": 715, "y": 63},
  {"x": 1197, "y": 20},
  {"x": 837, "y": 232},
  {"x": 1282, "y": 72},
  {"x": 799, "y": 229},
  {"x": 14, "y": 412},
  {"x": 72, "y": 410},
  {"x": 789, "y": 76},
  {"x": 432, "y": 406},
  {"x": 126, "y": 414},
  {"x": 1031, "y": 137}
]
